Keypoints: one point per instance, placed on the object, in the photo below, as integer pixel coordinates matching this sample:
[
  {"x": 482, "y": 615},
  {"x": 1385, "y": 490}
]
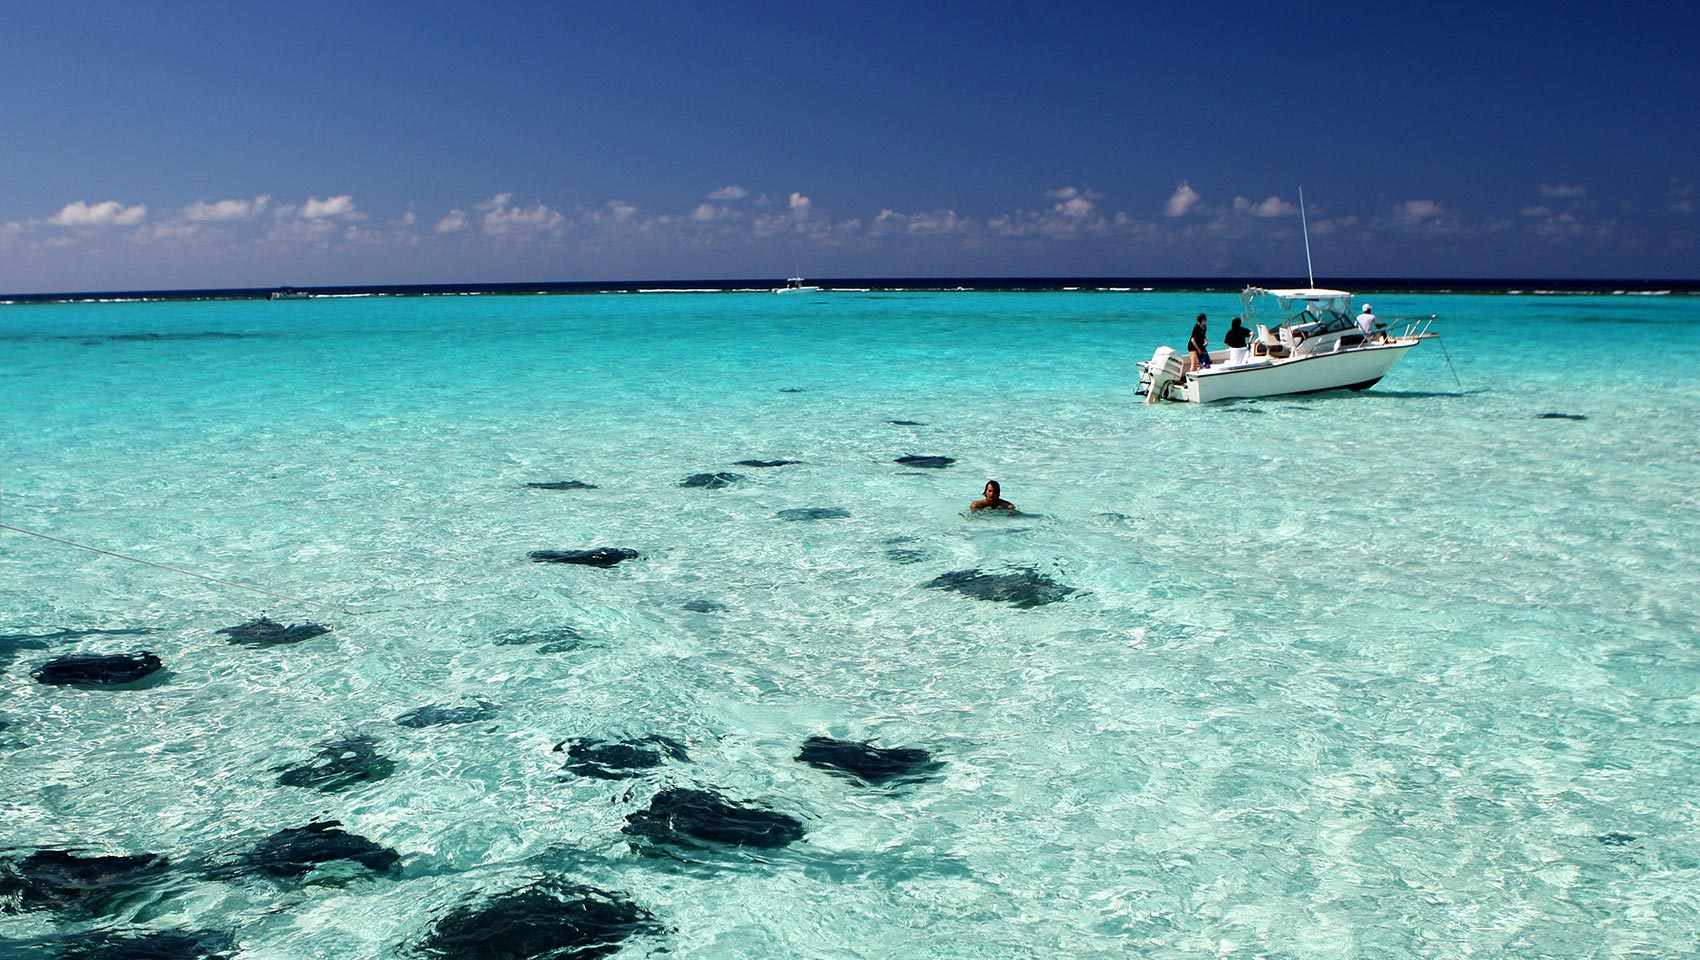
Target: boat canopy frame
[{"x": 1332, "y": 309}]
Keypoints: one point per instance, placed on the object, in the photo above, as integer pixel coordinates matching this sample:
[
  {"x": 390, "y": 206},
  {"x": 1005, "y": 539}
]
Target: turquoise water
[{"x": 1407, "y": 673}]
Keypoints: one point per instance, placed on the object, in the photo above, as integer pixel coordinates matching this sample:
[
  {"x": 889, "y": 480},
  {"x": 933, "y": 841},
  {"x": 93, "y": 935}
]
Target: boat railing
[{"x": 1415, "y": 327}]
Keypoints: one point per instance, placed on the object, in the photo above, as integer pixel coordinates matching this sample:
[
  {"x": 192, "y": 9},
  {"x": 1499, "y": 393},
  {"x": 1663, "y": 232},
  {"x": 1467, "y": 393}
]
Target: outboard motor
[{"x": 1163, "y": 369}]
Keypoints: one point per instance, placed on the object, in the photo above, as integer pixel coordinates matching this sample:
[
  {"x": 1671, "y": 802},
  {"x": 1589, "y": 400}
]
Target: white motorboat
[
  {"x": 796, "y": 285},
  {"x": 289, "y": 293},
  {"x": 1303, "y": 341}
]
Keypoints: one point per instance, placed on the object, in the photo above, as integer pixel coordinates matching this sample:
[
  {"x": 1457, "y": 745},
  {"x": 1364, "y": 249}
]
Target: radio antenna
[{"x": 1305, "y": 225}]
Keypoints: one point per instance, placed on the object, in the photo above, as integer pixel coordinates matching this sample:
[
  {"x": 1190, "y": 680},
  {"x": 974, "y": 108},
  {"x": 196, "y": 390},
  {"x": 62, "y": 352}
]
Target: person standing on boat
[
  {"x": 994, "y": 499},
  {"x": 1199, "y": 345},
  {"x": 1238, "y": 339},
  {"x": 1366, "y": 322}
]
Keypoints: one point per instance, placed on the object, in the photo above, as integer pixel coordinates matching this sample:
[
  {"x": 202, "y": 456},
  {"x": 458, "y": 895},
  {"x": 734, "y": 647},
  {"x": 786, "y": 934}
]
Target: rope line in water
[{"x": 187, "y": 573}]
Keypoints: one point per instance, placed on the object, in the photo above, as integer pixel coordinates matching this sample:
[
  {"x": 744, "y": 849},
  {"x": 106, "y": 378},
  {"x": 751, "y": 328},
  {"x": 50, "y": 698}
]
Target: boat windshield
[{"x": 1295, "y": 307}]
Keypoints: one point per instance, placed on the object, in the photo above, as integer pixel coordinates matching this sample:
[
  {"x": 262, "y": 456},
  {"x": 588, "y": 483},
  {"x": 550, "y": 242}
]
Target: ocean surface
[{"x": 1407, "y": 673}]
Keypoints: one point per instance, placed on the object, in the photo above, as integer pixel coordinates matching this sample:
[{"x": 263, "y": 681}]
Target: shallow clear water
[{"x": 1407, "y": 673}]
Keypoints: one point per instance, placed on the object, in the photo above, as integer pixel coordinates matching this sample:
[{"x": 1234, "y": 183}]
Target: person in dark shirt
[
  {"x": 1199, "y": 346},
  {"x": 1237, "y": 338}
]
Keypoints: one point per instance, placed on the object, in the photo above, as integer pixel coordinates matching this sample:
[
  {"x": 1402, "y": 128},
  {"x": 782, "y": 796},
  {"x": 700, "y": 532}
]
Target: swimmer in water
[{"x": 994, "y": 499}]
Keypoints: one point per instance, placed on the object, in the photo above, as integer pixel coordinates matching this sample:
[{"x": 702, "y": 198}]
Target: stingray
[
  {"x": 813, "y": 513},
  {"x": 97, "y": 669},
  {"x": 603, "y": 557},
  {"x": 1023, "y": 587},
  {"x": 697, "y": 817},
  {"x": 549, "y": 919},
  {"x": 266, "y": 632},
  {"x": 870, "y": 764},
  {"x": 338, "y": 764},
  {"x": 710, "y": 481}
]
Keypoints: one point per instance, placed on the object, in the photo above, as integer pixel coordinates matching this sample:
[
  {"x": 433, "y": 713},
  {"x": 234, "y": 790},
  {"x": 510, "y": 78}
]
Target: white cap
[{"x": 1366, "y": 308}]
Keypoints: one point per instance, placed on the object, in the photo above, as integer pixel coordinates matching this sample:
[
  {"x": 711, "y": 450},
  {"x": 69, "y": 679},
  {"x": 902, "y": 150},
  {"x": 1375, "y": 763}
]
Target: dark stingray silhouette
[
  {"x": 549, "y": 919},
  {"x": 266, "y": 632},
  {"x": 338, "y": 764},
  {"x": 698, "y": 817},
  {"x": 294, "y": 853},
  {"x": 766, "y": 463},
  {"x": 1023, "y": 587},
  {"x": 67, "y": 881},
  {"x": 813, "y": 513},
  {"x": 711, "y": 481},
  {"x": 150, "y": 945},
  {"x": 434, "y": 715},
  {"x": 930, "y": 463},
  {"x": 870, "y": 764},
  {"x": 562, "y": 485},
  {"x": 552, "y": 640},
  {"x": 97, "y": 669},
  {"x": 603, "y": 557},
  {"x": 1561, "y": 416},
  {"x": 616, "y": 760}
]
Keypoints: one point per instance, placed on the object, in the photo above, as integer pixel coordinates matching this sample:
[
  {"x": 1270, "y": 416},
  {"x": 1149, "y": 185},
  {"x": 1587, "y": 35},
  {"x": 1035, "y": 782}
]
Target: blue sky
[{"x": 176, "y": 144}]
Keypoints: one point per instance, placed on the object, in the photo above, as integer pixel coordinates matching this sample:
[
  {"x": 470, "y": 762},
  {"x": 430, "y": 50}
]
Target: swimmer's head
[{"x": 993, "y": 491}]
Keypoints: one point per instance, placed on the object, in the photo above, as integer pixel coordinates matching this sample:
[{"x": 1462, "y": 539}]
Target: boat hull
[{"x": 1358, "y": 368}]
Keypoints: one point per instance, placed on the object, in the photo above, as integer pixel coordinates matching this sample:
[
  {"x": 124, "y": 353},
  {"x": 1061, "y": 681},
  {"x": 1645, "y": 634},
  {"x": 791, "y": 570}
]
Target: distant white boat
[
  {"x": 1305, "y": 341},
  {"x": 289, "y": 293},
  {"x": 796, "y": 285}
]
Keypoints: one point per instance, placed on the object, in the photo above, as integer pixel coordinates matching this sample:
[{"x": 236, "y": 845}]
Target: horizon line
[{"x": 1036, "y": 284}]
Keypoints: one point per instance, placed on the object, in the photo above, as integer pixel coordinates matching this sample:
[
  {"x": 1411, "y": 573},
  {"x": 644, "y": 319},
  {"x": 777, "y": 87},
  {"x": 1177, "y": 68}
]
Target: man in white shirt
[{"x": 1366, "y": 322}]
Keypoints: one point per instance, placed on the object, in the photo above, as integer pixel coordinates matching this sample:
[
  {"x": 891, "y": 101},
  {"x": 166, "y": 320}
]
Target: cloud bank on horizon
[{"x": 734, "y": 231}]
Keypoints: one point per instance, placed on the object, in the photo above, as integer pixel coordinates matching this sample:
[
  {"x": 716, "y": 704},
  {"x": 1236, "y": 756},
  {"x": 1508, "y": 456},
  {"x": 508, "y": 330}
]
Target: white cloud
[
  {"x": 1271, "y": 207},
  {"x": 202, "y": 211},
  {"x": 1183, "y": 199},
  {"x": 170, "y": 230},
  {"x": 1323, "y": 228},
  {"x": 1565, "y": 228},
  {"x": 1537, "y": 210},
  {"x": 1069, "y": 193},
  {"x": 800, "y": 205},
  {"x": 707, "y": 212},
  {"x": 1412, "y": 211},
  {"x": 1563, "y": 191},
  {"x": 1075, "y": 208},
  {"x": 1072, "y": 216},
  {"x": 729, "y": 193},
  {"x": 454, "y": 222},
  {"x": 338, "y": 206},
  {"x": 1426, "y": 218},
  {"x": 931, "y": 223},
  {"x": 500, "y": 217},
  {"x": 1681, "y": 196},
  {"x": 105, "y": 213}
]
